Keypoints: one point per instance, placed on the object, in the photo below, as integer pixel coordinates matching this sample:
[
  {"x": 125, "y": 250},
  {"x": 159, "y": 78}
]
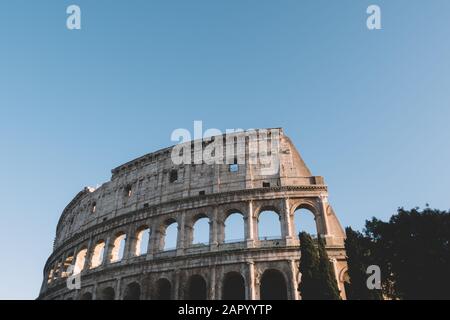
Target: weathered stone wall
[{"x": 141, "y": 195}]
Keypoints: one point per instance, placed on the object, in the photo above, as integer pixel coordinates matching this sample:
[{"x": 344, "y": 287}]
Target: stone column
[
  {"x": 117, "y": 293},
  {"x": 324, "y": 203},
  {"x": 294, "y": 280},
  {"x": 212, "y": 286},
  {"x": 62, "y": 269},
  {"x": 181, "y": 233},
  {"x": 288, "y": 223},
  {"x": 76, "y": 250},
  {"x": 130, "y": 244},
  {"x": 57, "y": 269},
  {"x": 94, "y": 292},
  {"x": 336, "y": 273},
  {"x": 154, "y": 241},
  {"x": 150, "y": 245},
  {"x": 220, "y": 224},
  {"x": 89, "y": 252},
  {"x": 250, "y": 232},
  {"x": 251, "y": 294},
  {"x": 176, "y": 285},
  {"x": 106, "y": 252},
  {"x": 188, "y": 236},
  {"x": 213, "y": 230}
]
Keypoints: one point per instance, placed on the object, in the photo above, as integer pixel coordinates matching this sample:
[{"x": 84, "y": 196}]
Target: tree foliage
[
  {"x": 309, "y": 266},
  {"x": 318, "y": 280},
  {"x": 412, "y": 249},
  {"x": 327, "y": 279},
  {"x": 359, "y": 257}
]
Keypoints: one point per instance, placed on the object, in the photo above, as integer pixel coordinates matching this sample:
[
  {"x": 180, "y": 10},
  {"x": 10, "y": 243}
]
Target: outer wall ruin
[{"x": 150, "y": 193}]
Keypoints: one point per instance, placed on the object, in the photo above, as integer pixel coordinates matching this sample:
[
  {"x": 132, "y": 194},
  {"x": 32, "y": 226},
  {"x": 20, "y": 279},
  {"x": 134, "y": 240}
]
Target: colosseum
[{"x": 113, "y": 238}]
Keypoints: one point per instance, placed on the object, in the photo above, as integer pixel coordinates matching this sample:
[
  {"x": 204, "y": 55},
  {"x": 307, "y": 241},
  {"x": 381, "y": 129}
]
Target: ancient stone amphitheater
[{"x": 113, "y": 238}]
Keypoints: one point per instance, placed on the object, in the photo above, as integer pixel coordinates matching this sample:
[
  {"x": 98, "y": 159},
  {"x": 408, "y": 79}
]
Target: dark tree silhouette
[
  {"x": 327, "y": 279},
  {"x": 413, "y": 252},
  {"x": 318, "y": 281},
  {"x": 309, "y": 268},
  {"x": 358, "y": 249}
]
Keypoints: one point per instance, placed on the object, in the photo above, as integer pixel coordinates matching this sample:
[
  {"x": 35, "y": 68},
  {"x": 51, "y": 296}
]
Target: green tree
[
  {"x": 309, "y": 268},
  {"x": 413, "y": 252},
  {"x": 358, "y": 249},
  {"x": 327, "y": 279}
]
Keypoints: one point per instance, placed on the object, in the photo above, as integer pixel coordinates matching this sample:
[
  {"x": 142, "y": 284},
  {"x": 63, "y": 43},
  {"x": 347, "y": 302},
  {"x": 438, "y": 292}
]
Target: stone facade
[{"x": 150, "y": 193}]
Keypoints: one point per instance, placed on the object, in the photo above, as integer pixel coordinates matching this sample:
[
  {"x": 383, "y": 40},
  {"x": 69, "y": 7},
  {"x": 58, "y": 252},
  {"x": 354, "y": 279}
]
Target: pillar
[
  {"x": 181, "y": 233},
  {"x": 213, "y": 230},
  {"x": 150, "y": 244},
  {"x": 250, "y": 231},
  {"x": 154, "y": 241},
  {"x": 324, "y": 203},
  {"x": 176, "y": 294},
  {"x": 94, "y": 292},
  {"x": 106, "y": 252},
  {"x": 220, "y": 224},
  {"x": 188, "y": 236},
  {"x": 288, "y": 223},
  {"x": 62, "y": 271},
  {"x": 251, "y": 294},
  {"x": 89, "y": 252},
  {"x": 340, "y": 284},
  {"x": 130, "y": 244},
  {"x": 294, "y": 280},
  {"x": 117, "y": 292},
  {"x": 212, "y": 286}
]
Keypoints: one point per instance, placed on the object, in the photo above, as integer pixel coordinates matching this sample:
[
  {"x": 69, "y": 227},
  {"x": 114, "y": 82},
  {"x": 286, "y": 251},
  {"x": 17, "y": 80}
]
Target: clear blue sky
[{"x": 369, "y": 111}]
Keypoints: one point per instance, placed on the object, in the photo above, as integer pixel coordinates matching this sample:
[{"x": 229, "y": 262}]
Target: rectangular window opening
[{"x": 173, "y": 176}]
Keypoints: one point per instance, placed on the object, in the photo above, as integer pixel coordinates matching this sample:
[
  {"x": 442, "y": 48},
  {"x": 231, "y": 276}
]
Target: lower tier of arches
[{"x": 269, "y": 275}]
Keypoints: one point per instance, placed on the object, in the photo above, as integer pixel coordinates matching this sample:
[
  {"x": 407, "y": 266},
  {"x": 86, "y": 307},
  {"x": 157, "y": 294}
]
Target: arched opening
[
  {"x": 269, "y": 226},
  {"x": 201, "y": 231},
  {"x": 196, "y": 288},
  {"x": 233, "y": 287},
  {"x": 80, "y": 261},
  {"x": 273, "y": 286},
  {"x": 50, "y": 276},
  {"x": 97, "y": 255},
  {"x": 66, "y": 272},
  {"x": 142, "y": 240},
  {"x": 132, "y": 292},
  {"x": 234, "y": 228},
  {"x": 304, "y": 221},
  {"x": 163, "y": 289},
  {"x": 170, "y": 236},
  {"x": 107, "y": 294},
  {"x": 53, "y": 273},
  {"x": 58, "y": 270},
  {"x": 86, "y": 296},
  {"x": 118, "y": 247}
]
